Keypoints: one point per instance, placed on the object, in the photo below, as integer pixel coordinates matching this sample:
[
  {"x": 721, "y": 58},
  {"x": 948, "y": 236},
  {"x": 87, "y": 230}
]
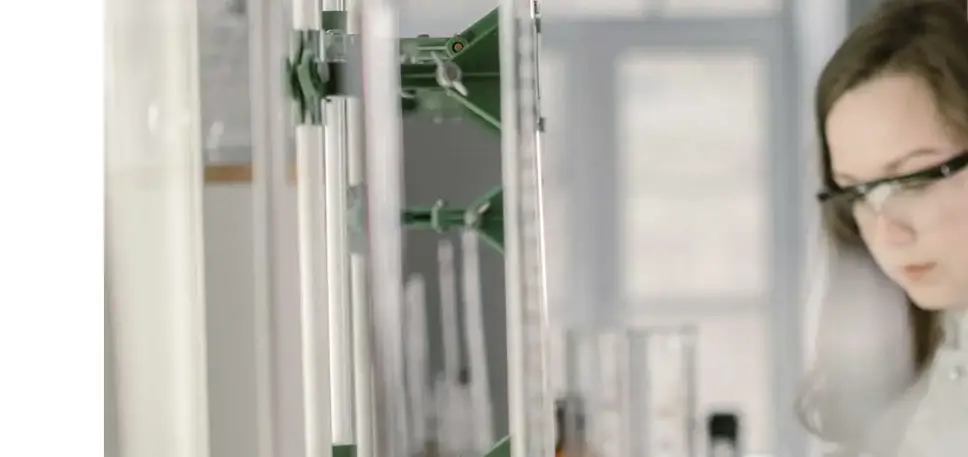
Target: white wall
[
  {"x": 230, "y": 320},
  {"x": 232, "y": 326}
]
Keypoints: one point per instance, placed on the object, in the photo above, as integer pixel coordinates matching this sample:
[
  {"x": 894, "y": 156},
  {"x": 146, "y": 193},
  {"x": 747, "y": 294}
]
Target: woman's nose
[{"x": 892, "y": 232}]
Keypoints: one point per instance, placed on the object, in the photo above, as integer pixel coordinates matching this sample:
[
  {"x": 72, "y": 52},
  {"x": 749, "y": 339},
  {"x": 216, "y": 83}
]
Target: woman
[{"x": 892, "y": 347}]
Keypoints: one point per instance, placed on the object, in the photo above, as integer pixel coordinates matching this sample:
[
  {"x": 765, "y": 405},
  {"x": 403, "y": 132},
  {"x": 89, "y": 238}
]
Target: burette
[{"x": 531, "y": 405}]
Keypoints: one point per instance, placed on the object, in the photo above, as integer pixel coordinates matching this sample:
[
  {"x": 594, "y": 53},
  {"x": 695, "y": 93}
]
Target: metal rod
[
  {"x": 314, "y": 314},
  {"x": 270, "y": 193},
  {"x": 314, "y": 310},
  {"x": 155, "y": 247},
  {"x": 363, "y": 407},
  {"x": 338, "y": 260}
]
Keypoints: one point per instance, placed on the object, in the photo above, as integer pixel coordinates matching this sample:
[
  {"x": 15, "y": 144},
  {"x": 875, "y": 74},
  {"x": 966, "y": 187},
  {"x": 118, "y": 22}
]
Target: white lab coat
[{"x": 931, "y": 420}]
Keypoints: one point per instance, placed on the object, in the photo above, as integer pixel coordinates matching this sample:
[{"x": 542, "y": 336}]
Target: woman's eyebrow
[
  {"x": 891, "y": 168},
  {"x": 894, "y": 165}
]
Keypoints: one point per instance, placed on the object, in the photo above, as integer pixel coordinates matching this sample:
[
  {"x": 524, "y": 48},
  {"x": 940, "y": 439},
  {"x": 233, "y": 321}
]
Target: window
[
  {"x": 596, "y": 9},
  {"x": 223, "y": 44},
  {"x": 717, "y": 8},
  {"x": 694, "y": 169}
]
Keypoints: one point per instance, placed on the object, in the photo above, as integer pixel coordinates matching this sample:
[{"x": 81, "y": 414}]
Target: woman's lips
[{"x": 917, "y": 272}]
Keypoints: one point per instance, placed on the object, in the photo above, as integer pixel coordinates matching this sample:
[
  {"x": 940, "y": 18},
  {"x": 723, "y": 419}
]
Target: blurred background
[{"x": 709, "y": 102}]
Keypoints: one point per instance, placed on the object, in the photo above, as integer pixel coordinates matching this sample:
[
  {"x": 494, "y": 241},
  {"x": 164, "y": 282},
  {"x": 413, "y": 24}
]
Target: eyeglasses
[{"x": 918, "y": 200}]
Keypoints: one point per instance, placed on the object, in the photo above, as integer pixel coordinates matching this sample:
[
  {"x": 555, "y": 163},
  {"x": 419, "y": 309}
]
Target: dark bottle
[{"x": 723, "y": 432}]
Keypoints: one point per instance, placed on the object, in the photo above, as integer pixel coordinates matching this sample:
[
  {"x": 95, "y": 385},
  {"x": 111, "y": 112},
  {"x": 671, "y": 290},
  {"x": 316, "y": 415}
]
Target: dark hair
[{"x": 927, "y": 39}]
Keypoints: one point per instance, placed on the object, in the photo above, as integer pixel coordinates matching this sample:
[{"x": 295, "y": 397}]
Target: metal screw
[{"x": 448, "y": 75}]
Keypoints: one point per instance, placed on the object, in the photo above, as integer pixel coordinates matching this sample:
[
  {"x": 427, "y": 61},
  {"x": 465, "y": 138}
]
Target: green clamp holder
[
  {"x": 485, "y": 217},
  {"x": 465, "y": 68},
  {"x": 307, "y": 77},
  {"x": 476, "y": 51}
]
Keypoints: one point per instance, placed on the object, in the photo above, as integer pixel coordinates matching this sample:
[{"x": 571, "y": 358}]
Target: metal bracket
[
  {"x": 308, "y": 71},
  {"x": 307, "y": 75},
  {"x": 485, "y": 216}
]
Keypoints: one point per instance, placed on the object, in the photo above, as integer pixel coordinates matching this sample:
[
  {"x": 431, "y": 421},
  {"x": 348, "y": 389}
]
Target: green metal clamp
[
  {"x": 307, "y": 77},
  {"x": 485, "y": 216},
  {"x": 430, "y": 66}
]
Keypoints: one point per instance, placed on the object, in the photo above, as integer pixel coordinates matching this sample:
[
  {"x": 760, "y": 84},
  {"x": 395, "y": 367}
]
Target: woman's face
[{"x": 888, "y": 127}]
